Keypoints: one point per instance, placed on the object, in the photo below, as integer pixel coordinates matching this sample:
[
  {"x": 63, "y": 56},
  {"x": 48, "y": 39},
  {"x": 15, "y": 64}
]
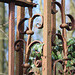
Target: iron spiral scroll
[
  {"x": 29, "y": 44},
  {"x": 67, "y": 26}
]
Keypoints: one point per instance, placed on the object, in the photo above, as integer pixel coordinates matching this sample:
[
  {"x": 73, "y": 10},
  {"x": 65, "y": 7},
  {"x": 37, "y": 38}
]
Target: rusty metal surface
[
  {"x": 11, "y": 38},
  {"x": 53, "y": 20},
  {"x": 46, "y": 66},
  {"x": 19, "y": 54},
  {"x": 23, "y": 3}
]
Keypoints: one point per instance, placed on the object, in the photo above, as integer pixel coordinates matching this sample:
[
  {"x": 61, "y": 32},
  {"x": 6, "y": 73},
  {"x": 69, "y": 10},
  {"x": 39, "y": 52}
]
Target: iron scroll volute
[{"x": 17, "y": 46}]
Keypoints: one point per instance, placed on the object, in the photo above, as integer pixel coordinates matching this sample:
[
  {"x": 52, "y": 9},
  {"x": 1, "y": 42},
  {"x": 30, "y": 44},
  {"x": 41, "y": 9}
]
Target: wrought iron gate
[{"x": 47, "y": 25}]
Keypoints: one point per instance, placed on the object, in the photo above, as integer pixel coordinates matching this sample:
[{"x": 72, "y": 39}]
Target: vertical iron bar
[
  {"x": 46, "y": 59},
  {"x": 11, "y": 37},
  {"x": 53, "y": 20},
  {"x": 19, "y": 55},
  {"x": 53, "y": 25},
  {"x": 64, "y": 33},
  {"x": 29, "y": 36},
  {"x": 64, "y": 30}
]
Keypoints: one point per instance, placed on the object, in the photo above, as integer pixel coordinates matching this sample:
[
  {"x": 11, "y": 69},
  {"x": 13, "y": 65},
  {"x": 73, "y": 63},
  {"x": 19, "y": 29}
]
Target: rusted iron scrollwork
[
  {"x": 29, "y": 44},
  {"x": 61, "y": 62},
  {"x": 67, "y": 26}
]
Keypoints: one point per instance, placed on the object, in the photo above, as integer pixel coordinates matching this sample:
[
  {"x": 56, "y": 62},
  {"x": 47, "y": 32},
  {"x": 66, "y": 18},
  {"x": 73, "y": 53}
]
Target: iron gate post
[
  {"x": 46, "y": 59},
  {"x": 11, "y": 37}
]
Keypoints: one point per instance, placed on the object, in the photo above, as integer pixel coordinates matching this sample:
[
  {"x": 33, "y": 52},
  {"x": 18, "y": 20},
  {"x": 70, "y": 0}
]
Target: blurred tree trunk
[{"x": 2, "y": 19}]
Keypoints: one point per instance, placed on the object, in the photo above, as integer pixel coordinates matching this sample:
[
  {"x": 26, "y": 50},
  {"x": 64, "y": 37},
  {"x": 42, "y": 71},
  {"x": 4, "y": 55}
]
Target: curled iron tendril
[
  {"x": 29, "y": 48},
  {"x": 72, "y": 24},
  {"x": 30, "y": 23},
  {"x": 20, "y": 24},
  {"x": 69, "y": 26},
  {"x": 17, "y": 45},
  {"x": 40, "y": 25},
  {"x": 61, "y": 61},
  {"x": 53, "y": 11},
  {"x": 59, "y": 5},
  {"x": 59, "y": 37}
]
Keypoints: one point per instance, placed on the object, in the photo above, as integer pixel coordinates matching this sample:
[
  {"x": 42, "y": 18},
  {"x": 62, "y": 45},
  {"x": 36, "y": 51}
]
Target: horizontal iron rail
[{"x": 22, "y": 3}]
